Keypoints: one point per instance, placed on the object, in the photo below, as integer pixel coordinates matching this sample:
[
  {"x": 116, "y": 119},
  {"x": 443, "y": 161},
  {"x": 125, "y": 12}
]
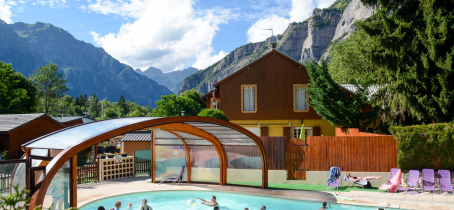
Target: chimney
[{"x": 273, "y": 42}]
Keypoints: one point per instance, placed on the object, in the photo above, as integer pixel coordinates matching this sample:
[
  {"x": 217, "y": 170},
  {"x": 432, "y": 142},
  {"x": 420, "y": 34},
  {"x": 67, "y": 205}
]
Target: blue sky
[{"x": 167, "y": 34}]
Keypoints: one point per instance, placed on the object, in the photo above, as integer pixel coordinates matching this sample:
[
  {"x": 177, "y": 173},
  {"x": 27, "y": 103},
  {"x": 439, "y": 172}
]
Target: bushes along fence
[{"x": 425, "y": 146}]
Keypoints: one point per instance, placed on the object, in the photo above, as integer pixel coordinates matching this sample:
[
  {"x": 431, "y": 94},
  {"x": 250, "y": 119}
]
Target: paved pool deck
[{"x": 93, "y": 191}]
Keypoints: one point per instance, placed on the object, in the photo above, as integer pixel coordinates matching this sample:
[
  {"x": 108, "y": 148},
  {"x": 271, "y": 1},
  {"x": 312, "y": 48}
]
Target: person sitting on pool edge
[
  {"x": 117, "y": 206},
  {"x": 211, "y": 203},
  {"x": 324, "y": 206},
  {"x": 145, "y": 206},
  {"x": 360, "y": 179}
]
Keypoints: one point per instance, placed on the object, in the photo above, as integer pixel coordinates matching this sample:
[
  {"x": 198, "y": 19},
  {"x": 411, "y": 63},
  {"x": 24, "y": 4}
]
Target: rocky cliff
[
  {"x": 87, "y": 69},
  {"x": 302, "y": 41}
]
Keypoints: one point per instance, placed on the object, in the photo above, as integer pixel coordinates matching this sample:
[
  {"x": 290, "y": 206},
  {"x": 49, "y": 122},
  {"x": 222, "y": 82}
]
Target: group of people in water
[{"x": 211, "y": 202}]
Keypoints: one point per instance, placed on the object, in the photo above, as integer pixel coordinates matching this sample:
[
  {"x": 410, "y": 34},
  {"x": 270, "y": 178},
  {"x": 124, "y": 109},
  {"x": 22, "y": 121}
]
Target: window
[
  {"x": 296, "y": 131},
  {"x": 249, "y": 98},
  {"x": 300, "y": 98},
  {"x": 216, "y": 104}
]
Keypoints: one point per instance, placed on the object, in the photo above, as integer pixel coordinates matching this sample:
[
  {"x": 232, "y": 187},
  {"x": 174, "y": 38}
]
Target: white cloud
[
  {"x": 5, "y": 12},
  {"x": 168, "y": 34},
  {"x": 256, "y": 33},
  {"x": 324, "y": 3},
  {"x": 54, "y": 3},
  {"x": 132, "y": 8},
  {"x": 301, "y": 10},
  {"x": 206, "y": 58}
]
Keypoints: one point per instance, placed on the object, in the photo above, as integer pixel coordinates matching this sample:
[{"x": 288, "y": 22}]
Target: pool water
[{"x": 165, "y": 200}]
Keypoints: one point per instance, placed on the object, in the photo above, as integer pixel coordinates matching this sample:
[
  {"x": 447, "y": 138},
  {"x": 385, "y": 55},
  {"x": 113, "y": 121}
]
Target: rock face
[
  {"x": 171, "y": 80},
  {"x": 87, "y": 69},
  {"x": 289, "y": 43},
  {"x": 302, "y": 41},
  {"x": 322, "y": 27},
  {"x": 353, "y": 12}
]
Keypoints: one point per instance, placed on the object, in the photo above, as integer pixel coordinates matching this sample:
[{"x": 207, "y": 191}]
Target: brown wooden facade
[
  {"x": 12, "y": 140},
  {"x": 275, "y": 76}
]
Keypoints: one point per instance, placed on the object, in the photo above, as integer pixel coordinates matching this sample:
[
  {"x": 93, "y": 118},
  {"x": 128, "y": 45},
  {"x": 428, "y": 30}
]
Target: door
[{"x": 296, "y": 159}]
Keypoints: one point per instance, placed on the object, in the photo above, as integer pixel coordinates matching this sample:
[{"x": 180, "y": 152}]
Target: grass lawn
[{"x": 308, "y": 187}]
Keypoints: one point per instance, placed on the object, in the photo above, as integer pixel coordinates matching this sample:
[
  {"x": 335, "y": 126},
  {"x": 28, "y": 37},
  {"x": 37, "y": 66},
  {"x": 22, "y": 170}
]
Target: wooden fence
[
  {"x": 5, "y": 183},
  {"x": 88, "y": 173},
  {"x": 141, "y": 165},
  {"x": 275, "y": 151},
  {"x": 352, "y": 153}
]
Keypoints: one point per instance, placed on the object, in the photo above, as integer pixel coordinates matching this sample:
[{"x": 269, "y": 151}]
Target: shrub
[
  {"x": 425, "y": 146},
  {"x": 213, "y": 113}
]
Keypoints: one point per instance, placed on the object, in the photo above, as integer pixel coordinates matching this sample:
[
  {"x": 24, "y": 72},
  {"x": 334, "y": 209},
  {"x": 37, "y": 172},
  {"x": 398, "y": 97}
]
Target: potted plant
[
  {"x": 103, "y": 156},
  {"x": 124, "y": 155},
  {"x": 110, "y": 156}
]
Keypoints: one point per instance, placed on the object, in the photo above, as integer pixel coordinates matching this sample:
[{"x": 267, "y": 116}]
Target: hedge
[
  {"x": 425, "y": 146},
  {"x": 214, "y": 113}
]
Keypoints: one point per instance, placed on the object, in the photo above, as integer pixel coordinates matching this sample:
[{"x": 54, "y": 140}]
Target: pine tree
[
  {"x": 335, "y": 104},
  {"x": 414, "y": 56}
]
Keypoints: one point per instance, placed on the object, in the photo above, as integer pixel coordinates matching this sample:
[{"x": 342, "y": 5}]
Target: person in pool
[
  {"x": 145, "y": 206},
  {"x": 101, "y": 208},
  {"x": 325, "y": 206},
  {"x": 117, "y": 206},
  {"x": 263, "y": 208},
  {"x": 211, "y": 203},
  {"x": 129, "y": 206}
]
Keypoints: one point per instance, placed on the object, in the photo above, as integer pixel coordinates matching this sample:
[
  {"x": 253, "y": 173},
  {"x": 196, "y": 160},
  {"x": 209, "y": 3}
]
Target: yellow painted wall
[{"x": 275, "y": 127}]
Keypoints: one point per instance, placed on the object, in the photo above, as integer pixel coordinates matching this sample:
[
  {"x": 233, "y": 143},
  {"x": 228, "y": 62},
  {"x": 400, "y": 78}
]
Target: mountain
[
  {"x": 171, "y": 80},
  {"x": 87, "y": 69},
  {"x": 310, "y": 39}
]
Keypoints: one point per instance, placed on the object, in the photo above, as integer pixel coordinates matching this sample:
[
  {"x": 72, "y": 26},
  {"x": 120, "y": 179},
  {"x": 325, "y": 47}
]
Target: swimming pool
[{"x": 165, "y": 200}]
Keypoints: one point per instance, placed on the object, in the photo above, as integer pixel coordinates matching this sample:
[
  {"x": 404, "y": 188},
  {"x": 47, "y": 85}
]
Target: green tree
[
  {"x": 414, "y": 54},
  {"x": 50, "y": 85},
  {"x": 94, "y": 106},
  {"x": 347, "y": 63},
  {"x": 122, "y": 105},
  {"x": 172, "y": 105},
  {"x": 213, "y": 113},
  {"x": 110, "y": 113},
  {"x": 17, "y": 94},
  {"x": 333, "y": 103}
]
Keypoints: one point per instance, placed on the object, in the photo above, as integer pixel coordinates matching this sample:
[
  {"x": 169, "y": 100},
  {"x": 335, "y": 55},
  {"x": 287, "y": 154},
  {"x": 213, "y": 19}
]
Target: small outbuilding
[{"x": 17, "y": 129}]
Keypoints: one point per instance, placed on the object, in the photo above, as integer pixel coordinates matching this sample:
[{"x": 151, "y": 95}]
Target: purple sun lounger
[
  {"x": 177, "y": 179},
  {"x": 428, "y": 180},
  {"x": 444, "y": 181},
  {"x": 413, "y": 179}
]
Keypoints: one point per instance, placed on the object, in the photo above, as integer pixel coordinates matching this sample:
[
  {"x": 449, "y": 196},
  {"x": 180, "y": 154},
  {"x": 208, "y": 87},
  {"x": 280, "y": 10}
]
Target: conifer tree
[
  {"x": 335, "y": 104},
  {"x": 414, "y": 54}
]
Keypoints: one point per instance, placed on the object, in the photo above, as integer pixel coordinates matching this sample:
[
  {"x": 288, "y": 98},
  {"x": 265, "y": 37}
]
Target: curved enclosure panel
[
  {"x": 211, "y": 150},
  {"x": 76, "y": 135}
]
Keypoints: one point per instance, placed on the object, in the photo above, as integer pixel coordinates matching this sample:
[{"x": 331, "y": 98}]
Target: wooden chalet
[
  {"x": 17, "y": 129},
  {"x": 268, "y": 97},
  {"x": 70, "y": 121}
]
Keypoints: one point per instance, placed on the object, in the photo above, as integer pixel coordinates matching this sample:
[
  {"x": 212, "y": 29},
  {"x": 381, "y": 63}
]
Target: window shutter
[
  {"x": 316, "y": 131},
  {"x": 264, "y": 131}
]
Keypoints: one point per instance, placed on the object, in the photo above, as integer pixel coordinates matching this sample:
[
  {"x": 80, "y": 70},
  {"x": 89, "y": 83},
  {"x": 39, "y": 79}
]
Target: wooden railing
[
  {"x": 88, "y": 173},
  {"x": 142, "y": 166},
  {"x": 5, "y": 183}
]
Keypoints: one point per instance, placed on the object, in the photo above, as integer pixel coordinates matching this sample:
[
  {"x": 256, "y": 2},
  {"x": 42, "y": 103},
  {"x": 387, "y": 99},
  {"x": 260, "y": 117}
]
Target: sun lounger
[
  {"x": 428, "y": 180},
  {"x": 413, "y": 179},
  {"x": 334, "y": 180},
  {"x": 364, "y": 182},
  {"x": 393, "y": 182},
  {"x": 444, "y": 181},
  {"x": 177, "y": 179}
]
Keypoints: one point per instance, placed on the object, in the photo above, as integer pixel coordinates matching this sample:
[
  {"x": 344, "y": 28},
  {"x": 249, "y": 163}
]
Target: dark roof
[
  {"x": 10, "y": 122},
  {"x": 256, "y": 61},
  {"x": 137, "y": 136},
  {"x": 69, "y": 119}
]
